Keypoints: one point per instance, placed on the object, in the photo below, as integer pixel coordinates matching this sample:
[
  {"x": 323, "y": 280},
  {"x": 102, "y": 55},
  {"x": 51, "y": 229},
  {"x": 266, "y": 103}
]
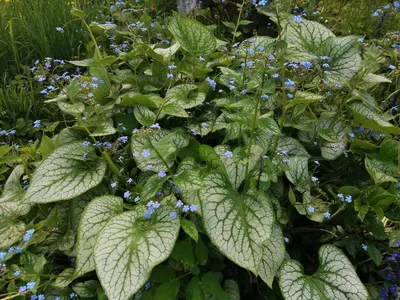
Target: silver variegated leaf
[
  {"x": 130, "y": 246},
  {"x": 98, "y": 212},
  {"x": 65, "y": 174},
  {"x": 273, "y": 255},
  {"x": 335, "y": 279},
  {"x": 237, "y": 224}
]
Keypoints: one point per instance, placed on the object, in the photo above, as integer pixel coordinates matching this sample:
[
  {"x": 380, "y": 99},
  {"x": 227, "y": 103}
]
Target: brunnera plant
[{"x": 187, "y": 163}]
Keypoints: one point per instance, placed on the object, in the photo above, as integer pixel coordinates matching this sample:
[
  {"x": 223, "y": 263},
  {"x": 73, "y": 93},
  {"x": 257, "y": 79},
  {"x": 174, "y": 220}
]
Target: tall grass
[{"x": 28, "y": 31}]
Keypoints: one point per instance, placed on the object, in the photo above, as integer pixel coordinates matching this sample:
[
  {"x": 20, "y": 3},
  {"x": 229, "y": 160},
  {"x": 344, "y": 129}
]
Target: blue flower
[
  {"x": 2, "y": 255},
  {"x": 228, "y": 154},
  {"x": 155, "y": 126},
  {"x": 276, "y": 75},
  {"x": 162, "y": 174},
  {"x": 147, "y": 215},
  {"x": 127, "y": 194},
  {"x": 204, "y": 124},
  {"x": 59, "y": 29},
  {"x": 86, "y": 143},
  {"x": 396, "y": 4},
  {"x": 41, "y": 297},
  {"x": 17, "y": 273},
  {"x": 28, "y": 234},
  {"x": 212, "y": 83},
  {"x": 365, "y": 247},
  {"x": 310, "y": 209},
  {"x": 34, "y": 297},
  {"x": 113, "y": 184},
  {"x": 170, "y": 76},
  {"x": 146, "y": 153},
  {"x": 193, "y": 207},
  {"x": 22, "y": 289},
  {"x": 306, "y": 64},
  {"x": 185, "y": 208},
  {"x": 264, "y": 96},
  {"x": 72, "y": 295},
  {"x": 123, "y": 139},
  {"x": 137, "y": 199},
  {"x": 289, "y": 83},
  {"x": 19, "y": 250},
  {"x": 290, "y": 96},
  {"x": 392, "y": 67},
  {"x": 327, "y": 215},
  {"x": 361, "y": 40},
  {"x": 202, "y": 58},
  {"x": 36, "y": 124},
  {"x": 348, "y": 199},
  {"x": 314, "y": 179},
  {"x": 251, "y": 51},
  {"x": 30, "y": 285},
  {"x": 179, "y": 203},
  {"x": 297, "y": 19},
  {"x": 147, "y": 285},
  {"x": 173, "y": 215}
]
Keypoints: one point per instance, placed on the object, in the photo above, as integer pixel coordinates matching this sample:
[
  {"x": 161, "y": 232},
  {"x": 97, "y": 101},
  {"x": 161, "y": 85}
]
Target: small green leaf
[
  {"x": 162, "y": 273},
  {"x": 174, "y": 109},
  {"x": 65, "y": 174},
  {"x": 232, "y": 289},
  {"x": 64, "y": 278},
  {"x": 335, "y": 278},
  {"x": 144, "y": 115},
  {"x": 86, "y": 289},
  {"x": 130, "y": 246},
  {"x": 193, "y": 290},
  {"x": 210, "y": 285},
  {"x": 380, "y": 171},
  {"x": 167, "y": 290},
  {"x": 11, "y": 205},
  {"x": 10, "y": 233},
  {"x": 78, "y": 13},
  {"x": 152, "y": 186},
  {"x": 190, "y": 229},
  {"x": 98, "y": 212}
]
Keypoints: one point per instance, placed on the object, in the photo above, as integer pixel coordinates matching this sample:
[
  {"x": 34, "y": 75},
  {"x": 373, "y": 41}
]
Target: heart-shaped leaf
[
  {"x": 130, "y": 246},
  {"x": 237, "y": 224},
  {"x": 66, "y": 174},
  {"x": 335, "y": 279},
  {"x": 98, "y": 212}
]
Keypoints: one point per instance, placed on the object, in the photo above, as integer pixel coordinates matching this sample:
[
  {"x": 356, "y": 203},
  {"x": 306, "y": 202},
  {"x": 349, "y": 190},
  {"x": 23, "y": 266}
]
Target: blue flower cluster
[
  {"x": 28, "y": 234},
  {"x": 348, "y": 198},
  {"x": 391, "y": 272}
]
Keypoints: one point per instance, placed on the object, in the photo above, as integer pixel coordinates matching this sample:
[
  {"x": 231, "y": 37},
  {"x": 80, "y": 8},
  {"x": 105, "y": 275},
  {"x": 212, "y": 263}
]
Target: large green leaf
[
  {"x": 185, "y": 96},
  {"x": 335, "y": 279},
  {"x": 370, "y": 119},
  {"x": 192, "y": 35},
  {"x": 163, "y": 145},
  {"x": 307, "y": 36},
  {"x": 235, "y": 166},
  {"x": 344, "y": 60},
  {"x": 237, "y": 224},
  {"x": 65, "y": 174},
  {"x": 273, "y": 256},
  {"x": 98, "y": 212},
  {"x": 335, "y": 135},
  {"x": 11, "y": 205},
  {"x": 381, "y": 171},
  {"x": 130, "y": 246}
]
